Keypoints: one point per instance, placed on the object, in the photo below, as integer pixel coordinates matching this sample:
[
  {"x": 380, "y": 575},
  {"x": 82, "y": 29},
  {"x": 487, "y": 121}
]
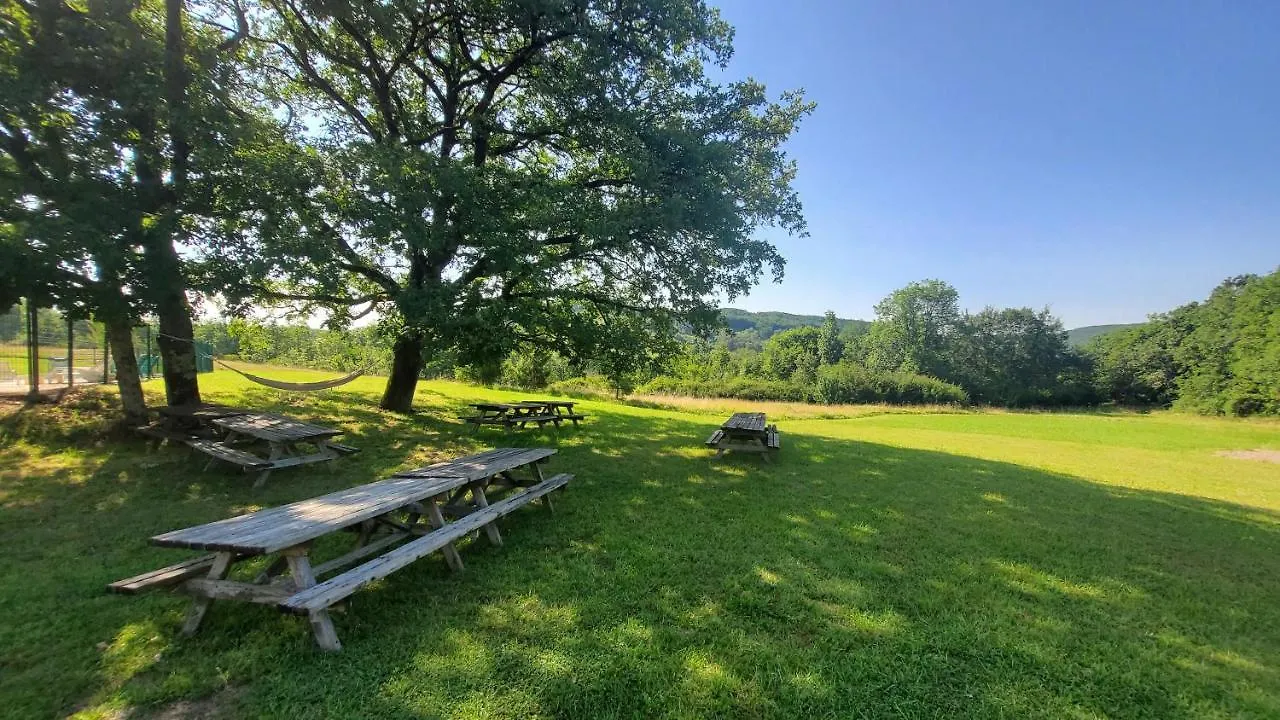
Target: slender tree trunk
[
  {"x": 177, "y": 348},
  {"x": 120, "y": 338},
  {"x": 406, "y": 366}
]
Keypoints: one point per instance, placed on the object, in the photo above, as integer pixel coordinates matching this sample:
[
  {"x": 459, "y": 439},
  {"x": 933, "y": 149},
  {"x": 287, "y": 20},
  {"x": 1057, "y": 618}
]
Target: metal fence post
[
  {"x": 106, "y": 355},
  {"x": 71, "y": 352},
  {"x": 33, "y": 351}
]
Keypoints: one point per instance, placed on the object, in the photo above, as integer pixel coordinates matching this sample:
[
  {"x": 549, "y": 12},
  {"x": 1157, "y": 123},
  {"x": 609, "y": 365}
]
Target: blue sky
[{"x": 1107, "y": 159}]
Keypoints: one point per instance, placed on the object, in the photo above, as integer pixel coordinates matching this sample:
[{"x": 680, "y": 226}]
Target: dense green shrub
[
  {"x": 855, "y": 384},
  {"x": 835, "y": 384},
  {"x": 533, "y": 369},
  {"x": 742, "y": 388},
  {"x": 596, "y": 387}
]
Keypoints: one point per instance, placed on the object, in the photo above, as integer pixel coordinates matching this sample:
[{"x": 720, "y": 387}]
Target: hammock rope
[{"x": 281, "y": 384}]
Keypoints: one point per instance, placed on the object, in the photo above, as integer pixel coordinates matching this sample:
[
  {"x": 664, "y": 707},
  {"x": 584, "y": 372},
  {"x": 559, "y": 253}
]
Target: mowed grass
[{"x": 892, "y": 565}]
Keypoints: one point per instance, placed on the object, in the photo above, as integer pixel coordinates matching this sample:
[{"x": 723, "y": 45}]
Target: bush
[
  {"x": 854, "y": 384},
  {"x": 742, "y": 388},
  {"x": 594, "y": 387}
]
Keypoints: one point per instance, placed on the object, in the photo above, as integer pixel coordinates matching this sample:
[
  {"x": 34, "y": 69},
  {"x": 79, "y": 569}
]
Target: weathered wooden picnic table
[
  {"x": 396, "y": 521},
  {"x": 186, "y": 422},
  {"x": 746, "y": 432},
  {"x": 522, "y": 413},
  {"x": 285, "y": 438},
  {"x": 562, "y": 409}
]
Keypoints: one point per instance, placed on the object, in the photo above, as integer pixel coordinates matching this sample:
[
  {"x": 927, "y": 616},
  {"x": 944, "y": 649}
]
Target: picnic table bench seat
[
  {"x": 337, "y": 588},
  {"x": 221, "y": 451},
  {"x": 397, "y": 520},
  {"x": 167, "y": 575}
]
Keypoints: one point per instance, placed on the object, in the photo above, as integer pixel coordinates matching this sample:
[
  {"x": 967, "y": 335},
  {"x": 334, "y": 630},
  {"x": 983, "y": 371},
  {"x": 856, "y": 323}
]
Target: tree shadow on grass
[{"x": 848, "y": 579}]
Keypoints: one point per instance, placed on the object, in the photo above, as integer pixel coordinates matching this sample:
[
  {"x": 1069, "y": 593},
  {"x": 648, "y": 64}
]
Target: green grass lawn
[{"x": 891, "y": 565}]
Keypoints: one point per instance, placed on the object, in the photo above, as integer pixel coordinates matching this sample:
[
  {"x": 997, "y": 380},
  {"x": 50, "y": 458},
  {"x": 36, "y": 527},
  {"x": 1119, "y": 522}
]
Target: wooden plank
[
  {"x": 169, "y": 575},
  {"x": 270, "y": 594},
  {"x": 482, "y": 465},
  {"x": 337, "y": 588},
  {"x": 362, "y": 552},
  {"x": 279, "y": 428},
  {"x": 273, "y": 529},
  {"x": 715, "y": 437},
  {"x": 226, "y": 453},
  {"x": 751, "y": 422}
]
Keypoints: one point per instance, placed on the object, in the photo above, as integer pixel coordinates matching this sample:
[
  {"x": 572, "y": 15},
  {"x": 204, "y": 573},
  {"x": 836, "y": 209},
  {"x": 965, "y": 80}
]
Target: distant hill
[
  {"x": 1081, "y": 335},
  {"x": 769, "y": 323}
]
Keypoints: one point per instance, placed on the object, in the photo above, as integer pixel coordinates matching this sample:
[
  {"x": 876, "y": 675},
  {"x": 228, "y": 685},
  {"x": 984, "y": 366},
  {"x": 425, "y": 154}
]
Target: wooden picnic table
[
  {"x": 396, "y": 521},
  {"x": 285, "y": 438},
  {"x": 186, "y": 422},
  {"x": 746, "y": 432},
  {"x": 562, "y": 409},
  {"x": 522, "y": 413}
]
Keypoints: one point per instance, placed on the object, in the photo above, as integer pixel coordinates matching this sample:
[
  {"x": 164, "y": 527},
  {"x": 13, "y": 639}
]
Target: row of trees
[
  {"x": 1010, "y": 356},
  {"x": 1220, "y": 356},
  {"x": 479, "y": 175}
]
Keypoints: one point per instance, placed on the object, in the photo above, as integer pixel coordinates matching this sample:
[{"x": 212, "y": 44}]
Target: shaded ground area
[{"x": 849, "y": 579}]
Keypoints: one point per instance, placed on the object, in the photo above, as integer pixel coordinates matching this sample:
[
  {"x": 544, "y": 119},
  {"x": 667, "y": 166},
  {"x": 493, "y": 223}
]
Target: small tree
[
  {"x": 830, "y": 344},
  {"x": 914, "y": 329}
]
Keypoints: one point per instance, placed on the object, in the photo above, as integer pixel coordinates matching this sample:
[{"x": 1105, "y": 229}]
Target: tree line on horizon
[{"x": 1221, "y": 356}]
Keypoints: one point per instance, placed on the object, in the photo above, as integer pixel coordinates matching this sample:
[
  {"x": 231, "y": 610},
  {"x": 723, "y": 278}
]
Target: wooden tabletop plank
[
  {"x": 277, "y": 528},
  {"x": 751, "y": 422},
  {"x": 198, "y": 411},
  {"x": 482, "y": 465},
  {"x": 277, "y": 428}
]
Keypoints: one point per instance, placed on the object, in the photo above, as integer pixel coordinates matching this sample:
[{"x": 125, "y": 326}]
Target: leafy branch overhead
[{"x": 497, "y": 172}]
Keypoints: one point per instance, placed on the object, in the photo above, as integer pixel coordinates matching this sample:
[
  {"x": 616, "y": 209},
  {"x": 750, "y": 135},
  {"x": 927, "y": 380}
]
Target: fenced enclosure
[{"x": 41, "y": 351}]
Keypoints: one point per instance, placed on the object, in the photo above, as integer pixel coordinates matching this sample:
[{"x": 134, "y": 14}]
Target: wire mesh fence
[{"x": 42, "y": 350}]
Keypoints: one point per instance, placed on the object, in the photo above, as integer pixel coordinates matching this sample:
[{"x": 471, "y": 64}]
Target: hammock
[
  {"x": 300, "y": 387},
  {"x": 281, "y": 384}
]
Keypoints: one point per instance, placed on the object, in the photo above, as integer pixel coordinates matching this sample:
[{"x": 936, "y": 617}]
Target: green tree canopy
[
  {"x": 518, "y": 171},
  {"x": 914, "y": 328}
]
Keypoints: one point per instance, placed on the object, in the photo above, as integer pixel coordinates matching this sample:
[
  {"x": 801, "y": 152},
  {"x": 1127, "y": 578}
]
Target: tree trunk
[
  {"x": 406, "y": 366},
  {"x": 169, "y": 285},
  {"x": 120, "y": 338},
  {"x": 178, "y": 356}
]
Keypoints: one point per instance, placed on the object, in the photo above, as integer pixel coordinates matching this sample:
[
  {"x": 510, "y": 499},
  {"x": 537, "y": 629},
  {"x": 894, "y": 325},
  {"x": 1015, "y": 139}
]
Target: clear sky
[{"x": 1107, "y": 158}]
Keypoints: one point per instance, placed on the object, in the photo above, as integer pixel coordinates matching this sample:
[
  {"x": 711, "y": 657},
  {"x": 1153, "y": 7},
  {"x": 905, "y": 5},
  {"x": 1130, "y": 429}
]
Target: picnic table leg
[
  {"x": 200, "y": 606},
  {"x": 277, "y": 451},
  {"x": 303, "y": 577},
  {"x": 436, "y": 519},
  {"x": 491, "y": 529},
  {"x": 546, "y": 499}
]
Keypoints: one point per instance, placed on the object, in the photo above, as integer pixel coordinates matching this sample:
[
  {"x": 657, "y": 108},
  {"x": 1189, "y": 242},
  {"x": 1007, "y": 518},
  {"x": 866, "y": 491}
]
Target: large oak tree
[{"x": 562, "y": 173}]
